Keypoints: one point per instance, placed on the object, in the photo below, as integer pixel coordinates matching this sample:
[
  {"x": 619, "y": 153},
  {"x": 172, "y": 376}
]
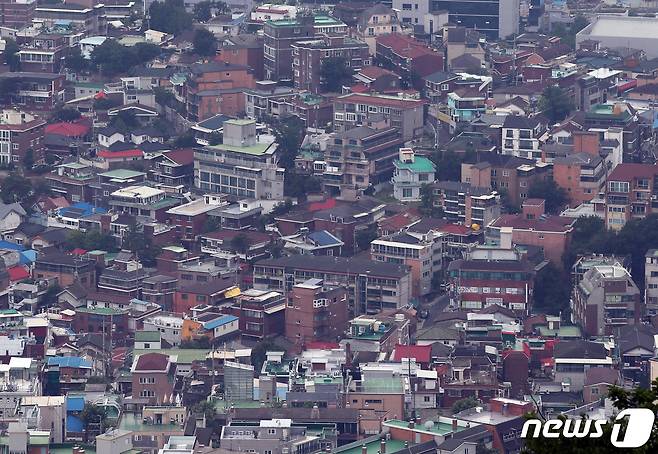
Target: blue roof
[
  {"x": 68, "y": 361},
  {"x": 82, "y": 209},
  {"x": 75, "y": 403},
  {"x": 11, "y": 246},
  {"x": 212, "y": 324},
  {"x": 28, "y": 257},
  {"x": 324, "y": 238},
  {"x": 74, "y": 424}
]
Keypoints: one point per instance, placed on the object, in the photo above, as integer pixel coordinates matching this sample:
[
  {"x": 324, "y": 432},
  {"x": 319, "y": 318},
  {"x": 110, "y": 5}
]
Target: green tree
[
  {"x": 334, "y": 73},
  {"x": 427, "y": 205},
  {"x": 464, "y": 404},
  {"x": 112, "y": 58},
  {"x": 164, "y": 97},
  {"x": 240, "y": 243},
  {"x": 145, "y": 52},
  {"x": 49, "y": 298},
  {"x": 11, "y": 54},
  {"x": 364, "y": 237},
  {"x": 289, "y": 134},
  {"x": 28, "y": 159},
  {"x": 185, "y": 140},
  {"x": 15, "y": 188},
  {"x": 203, "y": 11},
  {"x": 170, "y": 16},
  {"x": 621, "y": 400},
  {"x": 75, "y": 61},
  {"x": 299, "y": 185},
  {"x": 555, "y": 196},
  {"x": 259, "y": 353},
  {"x": 212, "y": 224},
  {"x": 555, "y": 103},
  {"x": 448, "y": 165},
  {"x": 204, "y": 42},
  {"x": 206, "y": 409},
  {"x": 215, "y": 138},
  {"x": 66, "y": 114},
  {"x": 90, "y": 240},
  {"x": 550, "y": 293},
  {"x": 142, "y": 246},
  {"x": 94, "y": 421}
]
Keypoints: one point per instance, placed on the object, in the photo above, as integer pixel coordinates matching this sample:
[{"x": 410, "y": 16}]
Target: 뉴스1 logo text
[{"x": 638, "y": 430}]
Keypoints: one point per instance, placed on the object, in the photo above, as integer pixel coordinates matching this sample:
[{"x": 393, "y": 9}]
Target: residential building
[
  {"x": 280, "y": 35},
  {"x": 244, "y": 50},
  {"x": 160, "y": 289},
  {"x": 244, "y": 164},
  {"x": 190, "y": 218},
  {"x": 214, "y": 293},
  {"x": 466, "y": 104},
  {"x": 216, "y": 87},
  {"x": 353, "y": 110},
  {"x": 467, "y": 204},
  {"x": 419, "y": 253},
  {"x": 19, "y": 132},
  {"x": 112, "y": 322},
  {"x": 261, "y": 313},
  {"x": 44, "y": 53},
  {"x": 606, "y": 299},
  {"x": 497, "y": 19},
  {"x": 124, "y": 277},
  {"x": 315, "y": 312},
  {"x": 268, "y": 99},
  {"x": 17, "y": 13},
  {"x": 35, "y": 91},
  {"x": 593, "y": 88},
  {"x": 523, "y": 137},
  {"x": 90, "y": 19},
  {"x": 376, "y": 21},
  {"x": 67, "y": 269},
  {"x": 651, "y": 281},
  {"x": 371, "y": 286},
  {"x": 581, "y": 175},
  {"x": 175, "y": 168},
  {"x": 574, "y": 358},
  {"x": 143, "y": 201},
  {"x": 407, "y": 55},
  {"x": 477, "y": 284},
  {"x": 636, "y": 348},
  {"x": 359, "y": 158},
  {"x": 168, "y": 324},
  {"x": 44, "y": 413},
  {"x": 630, "y": 193},
  {"x": 411, "y": 174},
  {"x": 276, "y": 435},
  {"x": 616, "y": 120},
  {"x": 309, "y": 55},
  {"x": 534, "y": 227},
  {"x": 152, "y": 377}
]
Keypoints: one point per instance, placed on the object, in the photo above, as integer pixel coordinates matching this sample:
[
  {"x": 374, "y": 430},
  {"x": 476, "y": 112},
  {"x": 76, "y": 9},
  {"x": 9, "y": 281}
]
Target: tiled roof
[
  {"x": 107, "y": 154},
  {"x": 69, "y": 129},
  {"x": 545, "y": 224},
  {"x": 629, "y": 171},
  {"x": 152, "y": 361},
  {"x": 421, "y": 353}
]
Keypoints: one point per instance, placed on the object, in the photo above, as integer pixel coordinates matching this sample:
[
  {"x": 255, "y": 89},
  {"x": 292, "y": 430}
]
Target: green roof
[
  {"x": 67, "y": 448},
  {"x": 381, "y": 385},
  {"x": 147, "y": 336},
  {"x": 372, "y": 446},
  {"x": 163, "y": 203},
  {"x": 222, "y": 405},
  {"x": 122, "y": 174},
  {"x": 439, "y": 428},
  {"x": 184, "y": 355},
  {"x": 135, "y": 423},
  {"x": 420, "y": 164},
  {"x": 9, "y": 312},
  {"x": 100, "y": 310},
  {"x": 174, "y": 248},
  {"x": 39, "y": 440}
]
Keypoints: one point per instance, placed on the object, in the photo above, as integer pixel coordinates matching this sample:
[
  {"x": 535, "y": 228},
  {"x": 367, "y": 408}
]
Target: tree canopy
[
  {"x": 555, "y": 103},
  {"x": 550, "y": 294},
  {"x": 11, "y": 55},
  {"x": 204, "y": 42},
  {"x": 170, "y": 16},
  {"x": 427, "y": 205},
  {"x": 464, "y": 404},
  {"x": 555, "y": 196},
  {"x": 15, "y": 188},
  {"x": 112, "y": 58},
  {"x": 334, "y": 73}
]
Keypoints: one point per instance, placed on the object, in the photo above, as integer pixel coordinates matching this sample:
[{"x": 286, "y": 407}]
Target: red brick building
[
  {"x": 16, "y": 14},
  {"x": 152, "y": 378},
  {"x": 243, "y": 50},
  {"x": 408, "y": 54},
  {"x": 316, "y": 313},
  {"x": 212, "y": 293},
  {"x": 261, "y": 313},
  {"x": 19, "y": 132}
]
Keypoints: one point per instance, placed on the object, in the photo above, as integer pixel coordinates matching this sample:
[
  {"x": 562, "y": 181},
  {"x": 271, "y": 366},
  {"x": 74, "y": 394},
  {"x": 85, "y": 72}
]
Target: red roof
[
  {"x": 374, "y": 72},
  {"x": 399, "y": 221},
  {"x": 78, "y": 251},
  {"x": 556, "y": 224},
  {"x": 421, "y": 353},
  {"x": 107, "y": 154},
  {"x": 17, "y": 273},
  {"x": 182, "y": 156},
  {"x": 152, "y": 361},
  {"x": 628, "y": 171},
  {"x": 321, "y": 345},
  {"x": 78, "y": 128},
  {"x": 318, "y": 206},
  {"x": 405, "y": 46},
  {"x": 456, "y": 229},
  {"x": 359, "y": 88}
]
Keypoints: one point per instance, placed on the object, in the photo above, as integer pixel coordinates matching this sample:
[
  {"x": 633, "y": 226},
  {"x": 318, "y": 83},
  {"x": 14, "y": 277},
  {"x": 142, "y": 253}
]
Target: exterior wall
[
  {"x": 162, "y": 386},
  {"x": 553, "y": 244}
]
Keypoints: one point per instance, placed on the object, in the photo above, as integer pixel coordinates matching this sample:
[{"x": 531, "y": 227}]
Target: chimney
[
  {"x": 364, "y": 449},
  {"x": 382, "y": 446},
  {"x": 454, "y": 425}
]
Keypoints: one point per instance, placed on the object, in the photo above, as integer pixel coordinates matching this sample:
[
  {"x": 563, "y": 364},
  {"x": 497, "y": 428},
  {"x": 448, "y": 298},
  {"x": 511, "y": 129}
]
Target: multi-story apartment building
[
  {"x": 280, "y": 35},
  {"x": 466, "y": 104},
  {"x": 34, "y": 91},
  {"x": 353, "y": 110},
  {"x": 161, "y": 290},
  {"x": 523, "y": 137},
  {"x": 308, "y": 58},
  {"x": 512, "y": 174},
  {"x": 245, "y": 164},
  {"x": 168, "y": 324},
  {"x": 153, "y": 377},
  {"x": 90, "y": 19},
  {"x": 16, "y": 13},
  {"x": 44, "y": 53},
  {"x": 316, "y": 312},
  {"x": 268, "y": 99},
  {"x": 582, "y": 175},
  {"x": 606, "y": 299},
  {"x": 360, "y": 157},
  {"x": 276, "y": 436},
  {"x": 142, "y": 201},
  {"x": 408, "y": 55},
  {"x": 411, "y": 173},
  {"x": 19, "y": 132},
  {"x": 476, "y": 284},
  {"x": 651, "y": 281},
  {"x": 371, "y": 286},
  {"x": 603, "y": 118},
  {"x": 67, "y": 269},
  {"x": 496, "y": 19},
  {"x": 631, "y": 193},
  {"x": 216, "y": 87},
  {"x": 261, "y": 313},
  {"x": 417, "y": 252},
  {"x": 376, "y": 21},
  {"x": 467, "y": 204}
]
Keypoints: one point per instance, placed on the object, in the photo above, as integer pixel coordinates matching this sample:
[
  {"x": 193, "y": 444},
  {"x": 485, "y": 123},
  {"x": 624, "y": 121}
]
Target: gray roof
[
  {"x": 5, "y": 209},
  {"x": 440, "y": 76},
  {"x": 338, "y": 265},
  {"x": 579, "y": 349},
  {"x": 632, "y": 336}
]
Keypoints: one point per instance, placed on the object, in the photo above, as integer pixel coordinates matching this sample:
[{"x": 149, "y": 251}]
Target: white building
[
  {"x": 168, "y": 325},
  {"x": 269, "y": 11},
  {"x": 411, "y": 173},
  {"x": 623, "y": 31}
]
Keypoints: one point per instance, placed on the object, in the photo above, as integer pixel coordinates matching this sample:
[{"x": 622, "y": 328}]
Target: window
[
  {"x": 271, "y": 431},
  {"x": 406, "y": 6},
  {"x": 445, "y": 87},
  {"x": 407, "y": 193},
  {"x": 618, "y": 186}
]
